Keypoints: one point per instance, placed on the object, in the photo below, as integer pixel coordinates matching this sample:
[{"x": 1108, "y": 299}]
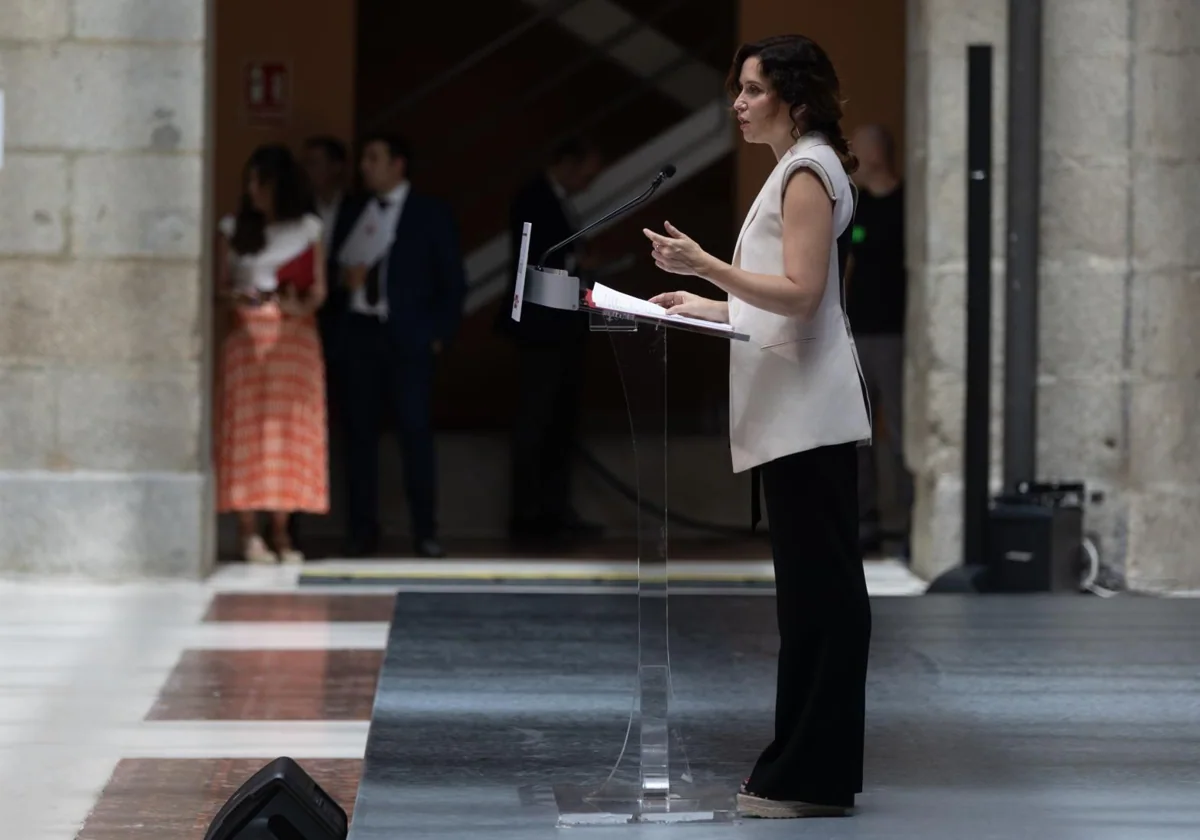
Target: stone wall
[
  {"x": 103, "y": 401},
  {"x": 1118, "y": 393},
  {"x": 1161, "y": 399},
  {"x": 939, "y": 32}
]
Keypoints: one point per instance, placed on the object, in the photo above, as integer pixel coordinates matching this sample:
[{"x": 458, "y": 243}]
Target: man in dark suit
[
  {"x": 325, "y": 161},
  {"x": 402, "y": 310},
  {"x": 551, "y": 347}
]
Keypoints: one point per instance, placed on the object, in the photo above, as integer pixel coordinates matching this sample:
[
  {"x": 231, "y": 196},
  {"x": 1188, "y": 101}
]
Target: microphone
[{"x": 668, "y": 171}]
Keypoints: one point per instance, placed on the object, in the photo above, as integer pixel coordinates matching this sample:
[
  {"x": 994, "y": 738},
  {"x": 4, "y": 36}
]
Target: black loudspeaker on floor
[{"x": 280, "y": 802}]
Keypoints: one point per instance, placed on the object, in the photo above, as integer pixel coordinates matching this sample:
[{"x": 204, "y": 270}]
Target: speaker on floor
[
  {"x": 1035, "y": 537},
  {"x": 280, "y": 802}
]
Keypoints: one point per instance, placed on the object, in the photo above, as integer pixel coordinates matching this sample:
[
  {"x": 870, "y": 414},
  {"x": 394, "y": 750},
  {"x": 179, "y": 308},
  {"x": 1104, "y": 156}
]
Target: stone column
[
  {"x": 1118, "y": 395},
  {"x": 939, "y": 32},
  {"x": 1161, "y": 287},
  {"x": 103, "y": 382}
]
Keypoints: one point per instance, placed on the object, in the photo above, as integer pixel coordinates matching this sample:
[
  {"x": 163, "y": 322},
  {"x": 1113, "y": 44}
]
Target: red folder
[{"x": 299, "y": 273}]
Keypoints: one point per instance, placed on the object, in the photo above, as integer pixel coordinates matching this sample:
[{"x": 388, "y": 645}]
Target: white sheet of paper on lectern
[{"x": 602, "y": 297}]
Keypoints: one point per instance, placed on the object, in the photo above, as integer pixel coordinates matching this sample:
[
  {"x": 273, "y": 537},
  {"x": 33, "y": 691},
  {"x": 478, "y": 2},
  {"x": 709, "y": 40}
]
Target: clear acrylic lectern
[{"x": 651, "y": 780}]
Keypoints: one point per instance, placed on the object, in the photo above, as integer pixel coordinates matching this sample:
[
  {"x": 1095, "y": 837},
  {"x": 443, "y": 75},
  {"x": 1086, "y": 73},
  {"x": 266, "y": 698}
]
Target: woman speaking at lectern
[{"x": 798, "y": 410}]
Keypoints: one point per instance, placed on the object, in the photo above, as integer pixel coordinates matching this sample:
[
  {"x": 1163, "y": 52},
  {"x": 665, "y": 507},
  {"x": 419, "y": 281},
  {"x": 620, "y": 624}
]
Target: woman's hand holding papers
[
  {"x": 678, "y": 253},
  {"x": 693, "y": 306}
]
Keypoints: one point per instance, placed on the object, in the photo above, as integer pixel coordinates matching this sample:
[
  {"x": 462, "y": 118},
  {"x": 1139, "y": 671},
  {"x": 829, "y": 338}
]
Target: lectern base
[{"x": 622, "y": 804}]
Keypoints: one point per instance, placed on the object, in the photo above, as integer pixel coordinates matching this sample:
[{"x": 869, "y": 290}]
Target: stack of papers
[
  {"x": 368, "y": 241},
  {"x": 602, "y": 297}
]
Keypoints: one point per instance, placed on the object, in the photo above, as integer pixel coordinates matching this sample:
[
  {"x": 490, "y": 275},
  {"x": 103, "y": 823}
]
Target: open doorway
[{"x": 474, "y": 97}]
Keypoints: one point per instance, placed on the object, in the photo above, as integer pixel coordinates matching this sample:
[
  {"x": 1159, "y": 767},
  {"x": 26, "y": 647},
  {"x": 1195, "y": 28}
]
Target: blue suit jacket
[{"x": 426, "y": 276}]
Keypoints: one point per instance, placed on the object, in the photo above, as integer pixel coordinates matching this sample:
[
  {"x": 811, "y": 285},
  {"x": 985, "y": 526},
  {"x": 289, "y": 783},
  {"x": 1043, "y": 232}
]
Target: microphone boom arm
[{"x": 667, "y": 172}]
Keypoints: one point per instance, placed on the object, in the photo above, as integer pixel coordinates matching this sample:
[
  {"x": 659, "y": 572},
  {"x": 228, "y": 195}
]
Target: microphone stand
[{"x": 667, "y": 172}]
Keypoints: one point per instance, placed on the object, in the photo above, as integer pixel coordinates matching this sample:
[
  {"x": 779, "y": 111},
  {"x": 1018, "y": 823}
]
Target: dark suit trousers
[
  {"x": 824, "y": 619},
  {"x": 380, "y": 373},
  {"x": 545, "y": 427}
]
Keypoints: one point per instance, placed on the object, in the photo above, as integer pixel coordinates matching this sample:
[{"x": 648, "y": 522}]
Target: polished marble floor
[{"x": 135, "y": 710}]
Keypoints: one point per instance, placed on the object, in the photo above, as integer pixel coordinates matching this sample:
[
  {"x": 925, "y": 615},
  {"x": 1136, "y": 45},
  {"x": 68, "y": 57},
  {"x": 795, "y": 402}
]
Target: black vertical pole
[
  {"x": 976, "y": 448},
  {"x": 1021, "y": 265}
]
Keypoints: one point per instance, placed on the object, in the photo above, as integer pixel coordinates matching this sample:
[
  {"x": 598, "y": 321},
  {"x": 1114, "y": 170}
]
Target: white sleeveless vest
[{"x": 794, "y": 386}]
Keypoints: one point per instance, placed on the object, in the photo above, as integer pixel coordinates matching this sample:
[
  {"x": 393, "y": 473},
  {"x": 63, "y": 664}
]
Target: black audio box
[{"x": 1035, "y": 538}]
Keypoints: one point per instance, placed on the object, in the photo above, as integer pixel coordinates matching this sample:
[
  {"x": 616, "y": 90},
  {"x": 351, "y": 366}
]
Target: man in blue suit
[{"x": 402, "y": 311}]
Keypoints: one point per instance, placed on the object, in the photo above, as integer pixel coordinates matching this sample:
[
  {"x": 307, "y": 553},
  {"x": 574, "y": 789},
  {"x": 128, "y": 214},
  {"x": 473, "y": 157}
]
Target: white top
[
  {"x": 795, "y": 385},
  {"x": 285, "y": 242}
]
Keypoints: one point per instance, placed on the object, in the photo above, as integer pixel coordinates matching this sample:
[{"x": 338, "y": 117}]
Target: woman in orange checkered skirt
[{"x": 272, "y": 440}]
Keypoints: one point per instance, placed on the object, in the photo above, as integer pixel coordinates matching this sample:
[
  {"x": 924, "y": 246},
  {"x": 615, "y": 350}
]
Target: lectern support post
[{"x": 651, "y": 780}]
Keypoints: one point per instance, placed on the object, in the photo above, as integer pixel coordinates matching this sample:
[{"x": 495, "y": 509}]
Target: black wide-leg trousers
[{"x": 824, "y": 618}]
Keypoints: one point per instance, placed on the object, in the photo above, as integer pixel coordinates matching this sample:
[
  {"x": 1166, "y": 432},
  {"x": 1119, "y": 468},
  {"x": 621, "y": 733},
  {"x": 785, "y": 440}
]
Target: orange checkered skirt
[{"x": 272, "y": 442}]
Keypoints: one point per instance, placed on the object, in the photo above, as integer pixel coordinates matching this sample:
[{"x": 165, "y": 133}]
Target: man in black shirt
[{"x": 876, "y": 304}]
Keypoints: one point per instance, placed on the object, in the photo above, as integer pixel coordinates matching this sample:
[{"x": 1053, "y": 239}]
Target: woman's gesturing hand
[
  {"x": 693, "y": 306},
  {"x": 676, "y": 252}
]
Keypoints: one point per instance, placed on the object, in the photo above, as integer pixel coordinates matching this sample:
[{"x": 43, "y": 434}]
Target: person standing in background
[
  {"x": 325, "y": 160},
  {"x": 877, "y": 287},
  {"x": 272, "y": 439},
  {"x": 405, "y": 280},
  {"x": 550, "y": 350}
]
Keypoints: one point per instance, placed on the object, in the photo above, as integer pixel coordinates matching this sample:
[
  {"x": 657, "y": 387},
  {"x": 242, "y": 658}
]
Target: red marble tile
[
  {"x": 295, "y": 606},
  {"x": 176, "y": 799},
  {"x": 270, "y": 685}
]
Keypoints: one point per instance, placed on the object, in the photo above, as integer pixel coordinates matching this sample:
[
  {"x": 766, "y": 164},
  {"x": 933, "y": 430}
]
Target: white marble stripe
[
  {"x": 251, "y": 635},
  {"x": 17, "y": 705},
  {"x": 55, "y": 793},
  {"x": 512, "y": 568},
  {"x": 237, "y": 575},
  {"x": 154, "y": 604},
  {"x": 240, "y": 577},
  {"x": 201, "y": 739},
  {"x": 242, "y": 739},
  {"x": 884, "y": 588},
  {"x": 138, "y": 681},
  {"x": 542, "y": 569},
  {"x": 884, "y": 577},
  {"x": 38, "y": 640},
  {"x": 877, "y": 589}
]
